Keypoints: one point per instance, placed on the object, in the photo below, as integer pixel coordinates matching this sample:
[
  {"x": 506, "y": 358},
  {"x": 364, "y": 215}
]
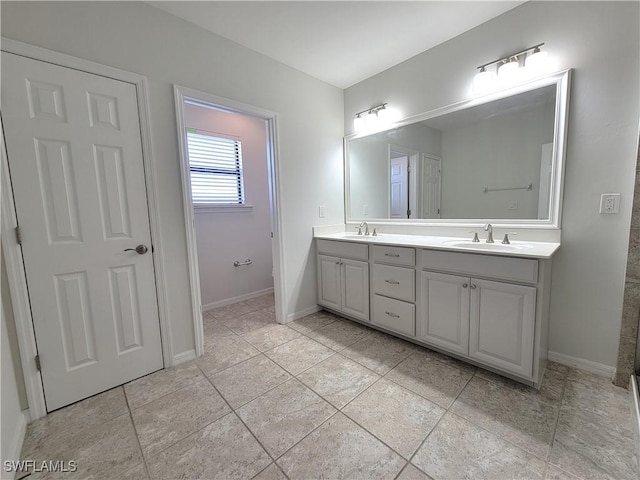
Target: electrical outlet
[
  {"x": 610, "y": 203},
  {"x": 321, "y": 211},
  {"x": 512, "y": 205}
]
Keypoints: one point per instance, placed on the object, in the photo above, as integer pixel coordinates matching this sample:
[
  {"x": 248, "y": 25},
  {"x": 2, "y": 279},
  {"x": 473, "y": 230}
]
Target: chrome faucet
[
  {"x": 366, "y": 228},
  {"x": 489, "y": 229}
]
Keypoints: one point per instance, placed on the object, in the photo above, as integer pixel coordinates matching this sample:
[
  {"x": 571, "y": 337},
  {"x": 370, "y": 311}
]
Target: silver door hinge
[
  {"x": 38, "y": 364},
  {"x": 18, "y": 236}
]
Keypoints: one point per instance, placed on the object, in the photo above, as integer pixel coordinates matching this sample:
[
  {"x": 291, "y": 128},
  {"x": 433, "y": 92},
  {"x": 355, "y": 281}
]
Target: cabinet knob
[
  {"x": 473, "y": 287},
  {"x": 465, "y": 285}
]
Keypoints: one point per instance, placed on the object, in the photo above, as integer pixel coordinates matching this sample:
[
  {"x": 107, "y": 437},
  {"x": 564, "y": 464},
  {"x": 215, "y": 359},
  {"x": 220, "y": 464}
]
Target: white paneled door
[{"x": 75, "y": 156}]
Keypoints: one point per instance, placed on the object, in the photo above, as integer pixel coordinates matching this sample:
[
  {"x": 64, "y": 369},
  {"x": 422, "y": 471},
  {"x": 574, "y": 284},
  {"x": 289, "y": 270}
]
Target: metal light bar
[{"x": 507, "y": 57}]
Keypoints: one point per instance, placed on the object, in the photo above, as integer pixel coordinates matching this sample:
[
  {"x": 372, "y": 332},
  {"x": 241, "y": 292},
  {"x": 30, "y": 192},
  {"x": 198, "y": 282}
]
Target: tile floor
[{"x": 327, "y": 398}]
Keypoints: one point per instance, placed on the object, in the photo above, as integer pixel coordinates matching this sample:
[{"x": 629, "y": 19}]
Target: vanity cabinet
[
  {"x": 394, "y": 288},
  {"x": 490, "y": 310},
  {"x": 492, "y": 322},
  {"x": 343, "y": 283}
]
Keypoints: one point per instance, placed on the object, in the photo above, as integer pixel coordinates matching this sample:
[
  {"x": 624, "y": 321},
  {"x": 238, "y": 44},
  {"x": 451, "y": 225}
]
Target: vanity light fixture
[
  {"x": 374, "y": 118},
  {"x": 511, "y": 69}
]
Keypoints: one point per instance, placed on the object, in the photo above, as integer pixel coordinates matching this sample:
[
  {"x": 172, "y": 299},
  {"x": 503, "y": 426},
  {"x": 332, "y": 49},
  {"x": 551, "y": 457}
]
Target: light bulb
[
  {"x": 484, "y": 82},
  {"x": 371, "y": 120},
  {"x": 509, "y": 72},
  {"x": 358, "y": 123},
  {"x": 387, "y": 116},
  {"x": 537, "y": 63}
]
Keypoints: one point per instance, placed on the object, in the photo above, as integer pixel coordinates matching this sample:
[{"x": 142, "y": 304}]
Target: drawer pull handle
[
  {"x": 473, "y": 287},
  {"x": 392, "y": 315},
  {"x": 464, "y": 285},
  {"x": 396, "y": 255},
  {"x": 392, "y": 282}
]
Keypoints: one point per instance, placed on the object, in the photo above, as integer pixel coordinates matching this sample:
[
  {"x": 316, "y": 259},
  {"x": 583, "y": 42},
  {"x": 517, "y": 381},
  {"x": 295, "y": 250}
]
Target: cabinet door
[
  {"x": 445, "y": 311},
  {"x": 355, "y": 298},
  {"x": 502, "y": 325},
  {"x": 329, "y": 282}
]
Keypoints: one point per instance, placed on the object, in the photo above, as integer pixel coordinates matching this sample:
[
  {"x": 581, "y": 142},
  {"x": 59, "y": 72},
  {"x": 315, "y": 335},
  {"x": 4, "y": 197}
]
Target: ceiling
[{"x": 339, "y": 42}]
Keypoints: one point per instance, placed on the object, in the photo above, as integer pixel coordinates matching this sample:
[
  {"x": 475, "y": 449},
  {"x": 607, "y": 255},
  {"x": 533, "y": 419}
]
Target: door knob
[{"x": 140, "y": 249}]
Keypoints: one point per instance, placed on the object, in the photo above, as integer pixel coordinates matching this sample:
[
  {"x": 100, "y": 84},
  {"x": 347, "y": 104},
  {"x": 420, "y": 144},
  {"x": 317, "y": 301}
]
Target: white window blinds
[{"x": 215, "y": 164}]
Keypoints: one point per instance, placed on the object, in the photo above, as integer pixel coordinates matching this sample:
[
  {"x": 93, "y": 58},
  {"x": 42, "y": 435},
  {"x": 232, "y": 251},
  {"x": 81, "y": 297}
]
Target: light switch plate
[
  {"x": 321, "y": 211},
  {"x": 610, "y": 203}
]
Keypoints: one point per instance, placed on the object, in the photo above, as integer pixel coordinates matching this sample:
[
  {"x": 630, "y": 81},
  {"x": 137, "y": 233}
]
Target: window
[{"x": 215, "y": 163}]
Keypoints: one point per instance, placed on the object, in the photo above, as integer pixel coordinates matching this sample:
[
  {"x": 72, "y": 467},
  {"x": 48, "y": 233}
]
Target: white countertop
[{"x": 456, "y": 244}]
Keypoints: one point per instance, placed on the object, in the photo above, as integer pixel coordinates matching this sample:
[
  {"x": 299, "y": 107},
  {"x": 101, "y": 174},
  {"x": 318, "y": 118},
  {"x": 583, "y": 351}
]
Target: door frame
[
  {"x": 13, "y": 251},
  {"x": 181, "y": 94}
]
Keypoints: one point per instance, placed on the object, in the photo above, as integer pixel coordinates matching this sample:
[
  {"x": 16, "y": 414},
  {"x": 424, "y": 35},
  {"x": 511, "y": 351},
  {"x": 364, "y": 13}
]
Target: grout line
[
  {"x": 135, "y": 431},
  {"x": 241, "y": 421}
]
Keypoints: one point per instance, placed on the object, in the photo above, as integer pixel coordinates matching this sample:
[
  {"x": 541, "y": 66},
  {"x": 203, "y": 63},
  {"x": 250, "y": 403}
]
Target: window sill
[{"x": 232, "y": 208}]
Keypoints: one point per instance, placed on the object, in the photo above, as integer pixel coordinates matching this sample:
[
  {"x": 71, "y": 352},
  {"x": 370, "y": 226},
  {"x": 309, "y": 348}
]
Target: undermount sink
[{"x": 487, "y": 246}]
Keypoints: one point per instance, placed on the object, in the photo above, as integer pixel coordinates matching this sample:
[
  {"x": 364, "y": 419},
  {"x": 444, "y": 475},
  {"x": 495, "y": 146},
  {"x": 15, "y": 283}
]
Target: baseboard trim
[
  {"x": 239, "y": 298},
  {"x": 183, "y": 357},
  {"x": 303, "y": 313},
  {"x": 582, "y": 364},
  {"x": 16, "y": 442}
]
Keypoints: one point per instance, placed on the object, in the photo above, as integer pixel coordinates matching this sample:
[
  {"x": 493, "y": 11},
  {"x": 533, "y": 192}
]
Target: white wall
[
  {"x": 137, "y": 37},
  {"x": 600, "y": 40},
  {"x": 369, "y": 166},
  {"x": 223, "y": 237},
  {"x": 502, "y": 151}
]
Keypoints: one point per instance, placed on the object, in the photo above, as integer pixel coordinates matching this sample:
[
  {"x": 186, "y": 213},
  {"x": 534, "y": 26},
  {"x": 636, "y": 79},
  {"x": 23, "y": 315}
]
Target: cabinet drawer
[
  {"x": 343, "y": 249},
  {"x": 394, "y": 255},
  {"x": 394, "y": 315},
  {"x": 503, "y": 268},
  {"x": 396, "y": 282}
]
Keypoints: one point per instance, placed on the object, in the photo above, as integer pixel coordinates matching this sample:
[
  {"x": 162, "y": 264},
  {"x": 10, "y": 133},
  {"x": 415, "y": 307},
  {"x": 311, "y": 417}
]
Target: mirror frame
[{"x": 562, "y": 80}]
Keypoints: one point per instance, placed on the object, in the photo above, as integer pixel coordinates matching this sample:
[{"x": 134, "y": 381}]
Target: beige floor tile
[
  {"x": 412, "y": 473},
  {"x": 247, "y": 380},
  {"x": 569, "y": 461},
  {"x": 523, "y": 420},
  {"x": 435, "y": 381},
  {"x": 263, "y": 301},
  {"x": 222, "y": 450},
  {"x": 600, "y": 403},
  {"x": 171, "y": 418},
  {"x": 283, "y": 416},
  {"x": 457, "y": 449},
  {"x": 139, "y": 472},
  {"x": 395, "y": 415},
  {"x": 550, "y": 391},
  {"x": 340, "y": 334},
  {"x": 149, "y": 388},
  {"x": 231, "y": 311},
  {"x": 338, "y": 379},
  {"x": 347, "y": 452},
  {"x": 554, "y": 473},
  {"x": 249, "y": 321},
  {"x": 272, "y": 472},
  {"x": 63, "y": 427},
  {"x": 312, "y": 322},
  {"x": 214, "y": 328},
  {"x": 300, "y": 354},
  {"x": 611, "y": 450},
  {"x": 379, "y": 352},
  {"x": 270, "y": 336},
  {"x": 99, "y": 452},
  {"x": 225, "y": 352}
]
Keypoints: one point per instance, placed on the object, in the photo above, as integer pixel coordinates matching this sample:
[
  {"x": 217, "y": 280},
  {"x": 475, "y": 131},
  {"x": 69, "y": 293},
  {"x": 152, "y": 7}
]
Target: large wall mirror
[{"x": 498, "y": 158}]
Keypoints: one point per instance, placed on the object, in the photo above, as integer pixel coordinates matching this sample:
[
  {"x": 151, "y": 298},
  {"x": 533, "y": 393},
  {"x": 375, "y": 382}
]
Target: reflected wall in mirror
[{"x": 491, "y": 159}]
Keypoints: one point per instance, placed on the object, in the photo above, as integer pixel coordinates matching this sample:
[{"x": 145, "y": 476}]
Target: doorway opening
[{"x": 230, "y": 194}]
